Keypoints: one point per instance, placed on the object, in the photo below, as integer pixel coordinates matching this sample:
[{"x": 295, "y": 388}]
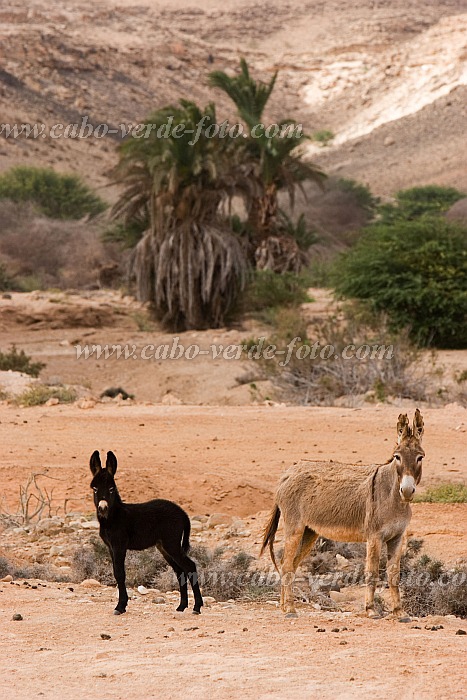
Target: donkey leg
[
  {"x": 189, "y": 569},
  {"x": 373, "y": 553},
  {"x": 395, "y": 547},
  {"x": 293, "y": 541},
  {"x": 118, "y": 560},
  {"x": 308, "y": 540},
  {"x": 181, "y": 576}
]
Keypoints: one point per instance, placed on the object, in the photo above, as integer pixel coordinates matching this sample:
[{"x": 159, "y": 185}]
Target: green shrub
[
  {"x": 419, "y": 201},
  {"x": 362, "y": 194},
  {"x": 19, "y": 362},
  {"x": 416, "y": 273},
  {"x": 39, "y": 394},
  {"x": 445, "y": 493},
  {"x": 323, "y": 136},
  {"x": 268, "y": 290},
  {"x": 57, "y": 196}
]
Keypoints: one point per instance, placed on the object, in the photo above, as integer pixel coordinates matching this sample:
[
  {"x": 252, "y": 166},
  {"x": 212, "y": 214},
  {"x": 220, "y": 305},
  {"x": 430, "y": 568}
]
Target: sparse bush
[
  {"x": 268, "y": 290},
  {"x": 319, "y": 376},
  {"x": 428, "y": 589},
  {"x": 415, "y": 272},
  {"x": 39, "y": 394},
  {"x": 19, "y": 362},
  {"x": 38, "y": 252},
  {"x": 58, "y": 196},
  {"x": 142, "y": 568},
  {"x": 444, "y": 493},
  {"x": 5, "y": 567},
  {"x": 6, "y": 282}
]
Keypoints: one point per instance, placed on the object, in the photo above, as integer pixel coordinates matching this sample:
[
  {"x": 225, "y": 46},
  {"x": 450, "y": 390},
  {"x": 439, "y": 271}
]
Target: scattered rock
[
  {"x": 90, "y": 583},
  {"x": 17, "y": 616},
  {"x": 389, "y": 141},
  {"x": 321, "y": 629},
  {"x": 196, "y": 525},
  {"x": 143, "y": 590},
  {"x": 7, "y": 578},
  {"x": 53, "y": 401},
  {"x": 209, "y": 599},
  {"x": 86, "y": 404},
  {"x": 105, "y": 636},
  {"x": 461, "y": 632},
  {"x": 90, "y": 525},
  {"x": 159, "y": 600},
  {"x": 219, "y": 519},
  {"x": 342, "y": 562}
]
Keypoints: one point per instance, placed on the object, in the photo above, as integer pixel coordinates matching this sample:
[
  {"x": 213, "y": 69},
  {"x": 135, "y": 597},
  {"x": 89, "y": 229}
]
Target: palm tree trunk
[{"x": 263, "y": 214}]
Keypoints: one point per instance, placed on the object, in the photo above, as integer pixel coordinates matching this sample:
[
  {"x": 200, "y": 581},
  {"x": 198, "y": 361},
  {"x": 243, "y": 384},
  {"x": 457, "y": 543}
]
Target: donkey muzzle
[
  {"x": 103, "y": 508},
  {"x": 407, "y": 488}
]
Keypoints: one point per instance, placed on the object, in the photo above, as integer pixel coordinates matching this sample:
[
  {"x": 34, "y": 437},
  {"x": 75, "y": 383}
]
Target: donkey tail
[
  {"x": 270, "y": 534},
  {"x": 186, "y": 535}
]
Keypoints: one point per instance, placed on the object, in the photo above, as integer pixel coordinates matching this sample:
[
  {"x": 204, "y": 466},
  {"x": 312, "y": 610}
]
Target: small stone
[
  {"x": 90, "y": 525},
  {"x": 220, "y": 631},
  {"x": 245, "y": 629},
  {"x": 209, "y": 599},
  {"x": 53, "y": 401},
  {"x": 219, "y": 519},
  {"x": 196, "y": 525},
  {"x": 159, "y": 600},
  {"x": 171, "y": 629},
  {"x": 342, "y": 562},
  {"x": 17, "y": 616},
  {"x": 105, "y": 636},
  {"x": 389, "y": 141},
  {"x": 343, "y": 642},
  {"x": 143, "y": 590},
  {"x": 90, "y": 583},
  {"x": 7, "y": 578},
  {"x": 335, "y": 629},
  {"x": 86, "y": 404},
  {"x": 321, "y": 629},
  {"x": 190, "y": 629},
  {"x": 461, "y": 632}
]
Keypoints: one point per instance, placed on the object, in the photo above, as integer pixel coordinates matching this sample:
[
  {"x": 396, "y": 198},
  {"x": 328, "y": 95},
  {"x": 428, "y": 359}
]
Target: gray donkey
[{"x": 349, "y": 503}]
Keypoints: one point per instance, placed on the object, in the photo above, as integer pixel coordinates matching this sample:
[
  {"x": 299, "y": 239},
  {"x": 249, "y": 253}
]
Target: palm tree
[
  {"x": 189, "y": 263},
  {"x": 277, "y": 160}
]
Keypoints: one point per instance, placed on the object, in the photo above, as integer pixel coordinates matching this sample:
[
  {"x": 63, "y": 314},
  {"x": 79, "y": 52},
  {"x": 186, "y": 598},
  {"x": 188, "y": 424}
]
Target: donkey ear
[
  {"x": 95, "y": 463},
  {"x": 402, "y": 427},
  {"x": 111, "y": 463},
  {"x": 418, "y": 425}
]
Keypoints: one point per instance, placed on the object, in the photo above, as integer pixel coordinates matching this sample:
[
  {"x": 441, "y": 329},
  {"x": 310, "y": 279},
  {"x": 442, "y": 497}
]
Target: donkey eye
[
  {"x": 419, "y": 459},
  {"x": 398, "y": 457}
]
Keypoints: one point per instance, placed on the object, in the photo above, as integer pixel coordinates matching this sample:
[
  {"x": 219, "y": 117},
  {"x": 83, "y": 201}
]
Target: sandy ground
[{"x": 246, "y": 651}]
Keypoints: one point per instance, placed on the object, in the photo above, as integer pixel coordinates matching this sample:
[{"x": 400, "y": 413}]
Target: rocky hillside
[{"x": 388, "y": 79}]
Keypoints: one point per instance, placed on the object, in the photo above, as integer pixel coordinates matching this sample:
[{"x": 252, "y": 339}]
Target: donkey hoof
[
  {"x": 374, "y": 616},
  {"x": 196, "y": 612},
  {"x": 118, "y": 612},
  {"x": 181, "y": 608},
  {"x": 290, "y": 615}
]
